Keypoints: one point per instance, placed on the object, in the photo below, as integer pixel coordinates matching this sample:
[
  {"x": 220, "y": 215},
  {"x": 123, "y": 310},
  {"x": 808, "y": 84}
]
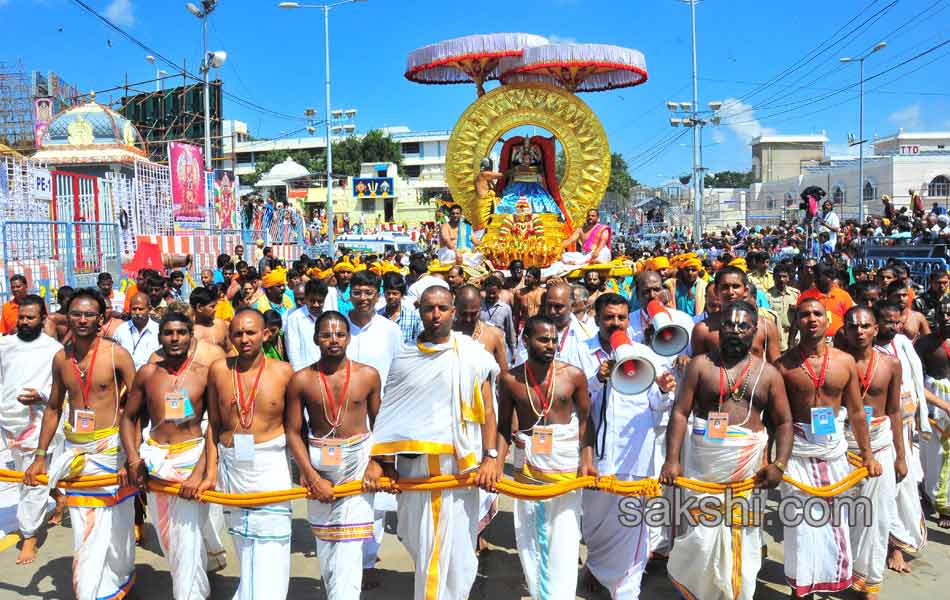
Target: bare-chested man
[
  {"x": 455, "y": 237},
  {"x": 932, "y": 349},
  {"x": 732, "y": 285},
  {"x": 528, "y": 297},
  {"x": 915, "y": 324},
  {"x": 91, "y": 370},
  {"x": 340, "y": 398},
  {"x": 57, "y": 324},
  {"x": 468, "y": 304},
  {"x": 821, "y": 381},
  {"x": 246, "y": 424},
  {"x": 170, "y": 395},
  {"x": 204, "y": 303},
  {"x": 880, "y": 379},
  {"x": 726, "y": 391},
  {"x": 551, "y": 400}
]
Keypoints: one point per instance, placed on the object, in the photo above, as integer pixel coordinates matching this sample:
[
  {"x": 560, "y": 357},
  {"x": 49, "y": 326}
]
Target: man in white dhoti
[
  {"x": 624, "y": 428},
  {"x": 908, "y": 528},
  {"x": 822, "y": 392},
  {"x": 26, "y": 385},
  {"x": 340, "y": 398},
  {"x": 91, "y": 370},
  {"x": 374, "y": 341},
  {"x": 170, "y": 396},
  {"x": 880, "y": 394},
  {"x": 934, "y": 352},
  {"x": 246, "y": 424},
  {"x": 553, "y": 426},
  {"x": 588, "y": 244},
  {"x": 457, "y": 241},
  {"x": 717, "y": 554},
  {"x": 447, "y": 377}
]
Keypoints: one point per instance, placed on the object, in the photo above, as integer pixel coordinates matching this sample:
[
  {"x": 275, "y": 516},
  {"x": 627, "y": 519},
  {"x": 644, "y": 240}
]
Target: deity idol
[{"x": 528, "y": 167}]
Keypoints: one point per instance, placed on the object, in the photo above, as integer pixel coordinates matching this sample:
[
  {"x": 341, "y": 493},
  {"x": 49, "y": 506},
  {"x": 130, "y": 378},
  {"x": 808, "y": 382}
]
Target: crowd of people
[{"x": 368, "y": 371}]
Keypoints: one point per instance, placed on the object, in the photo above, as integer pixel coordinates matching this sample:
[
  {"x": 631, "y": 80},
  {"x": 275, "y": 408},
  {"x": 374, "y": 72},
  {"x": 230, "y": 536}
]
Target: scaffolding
[
  {"x": 16, "y": 106},
  {"x": 173, "y": 115}
]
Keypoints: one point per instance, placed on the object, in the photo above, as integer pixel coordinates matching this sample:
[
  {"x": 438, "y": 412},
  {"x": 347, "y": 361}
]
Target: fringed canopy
[{"x": 577, "y": 67}]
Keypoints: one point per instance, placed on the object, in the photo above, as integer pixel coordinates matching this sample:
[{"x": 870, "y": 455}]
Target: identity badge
[
  {"x": 244, "y": 447},
  {"x": 823, "y": 420},
  {"x": 84, "y": 421},
  {"x": 331, "y": 453},
  {"x": 174, "y": 406},
  {"x": 717, "y": 426},
  {"x": 869, "y": 411},
  {"x": 542, "y": 440},
  {"x": 907, "y": 404}
]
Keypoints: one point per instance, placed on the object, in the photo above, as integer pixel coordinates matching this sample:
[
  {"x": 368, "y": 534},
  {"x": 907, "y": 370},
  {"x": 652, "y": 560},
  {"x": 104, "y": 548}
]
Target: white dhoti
[
  {"x": 34, "y": 500},
  {"x": 572, "y": 260},
  {"x": 617, "y": 545},
  {"x": 342, "y": 527},
  {"x": 661, "y": 537},
  {"x": 178, "y": 521},
  {"x": 212, "y": 524},
  {"x": 470, "y": 258},
  {"x": 102, "y": 518},
  {"x": 721, "y": 561},
  {"x": 935, "y": 451},
  {"x": 261, "y": 535},
  {"x": 817, "y": 559},
  {"x": 439, "y": 530},
  {"x": 548, "y": 532},
  {"x": 908, "y": 527},
  {"x": 869, "y": 543}
]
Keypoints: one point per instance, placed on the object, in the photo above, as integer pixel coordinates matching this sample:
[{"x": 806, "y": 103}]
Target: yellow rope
[{"x": 648, "y": 488}]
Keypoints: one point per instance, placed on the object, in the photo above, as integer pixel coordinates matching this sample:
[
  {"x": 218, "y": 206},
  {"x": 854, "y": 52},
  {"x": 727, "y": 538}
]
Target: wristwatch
[{"x": 492, "y": 453}]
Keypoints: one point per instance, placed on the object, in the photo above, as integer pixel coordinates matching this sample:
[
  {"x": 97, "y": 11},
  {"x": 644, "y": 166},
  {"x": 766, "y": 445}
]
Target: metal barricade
[{"x": 55, "y": 253}]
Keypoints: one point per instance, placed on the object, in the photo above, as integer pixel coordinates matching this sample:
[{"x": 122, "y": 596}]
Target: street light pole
[
  {"x": 207, "y": 71},
  {"x": 331, "y": 234},
  {"x": 860, "y": 60},
  {"x": 698, "y": 202}
]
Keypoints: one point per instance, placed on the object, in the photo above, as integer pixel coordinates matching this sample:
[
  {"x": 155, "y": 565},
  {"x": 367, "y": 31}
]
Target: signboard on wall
[
  {"x": 186, "y": 163},
  {"x": 373, "y": 187},
  {"x": 41, "y": 184},
  {"x": 225, "y": 200}
]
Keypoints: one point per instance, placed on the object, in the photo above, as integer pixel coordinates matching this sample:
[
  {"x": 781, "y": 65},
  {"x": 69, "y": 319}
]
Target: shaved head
[
  {"x": 467, "y": 295},
  {"x": 432, "y": 291},
  {"x": 139, "y": 297},
  {"x": 647, "y": 277}
]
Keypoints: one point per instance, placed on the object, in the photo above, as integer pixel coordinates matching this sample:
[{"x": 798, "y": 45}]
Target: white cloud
[
  {"x": 120, "y": 12},
  {"x": 740, "y": 118},
  {"x": 561, "y": 39},
  {"x": 718, "y": 136},
  {"x": 907, "y": 118}
]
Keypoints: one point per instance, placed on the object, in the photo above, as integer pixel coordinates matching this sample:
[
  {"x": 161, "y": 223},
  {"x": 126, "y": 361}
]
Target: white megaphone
[
  {"x": 669, "y": 339},
  {"x": 633, "y": 373}
]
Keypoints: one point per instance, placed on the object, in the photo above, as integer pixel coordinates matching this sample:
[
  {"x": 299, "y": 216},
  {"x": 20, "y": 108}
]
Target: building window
[
  {"x": 368, "y": 204},
  {"x": 838, "y": 196},
  {"x": 412, "y": 170},
  {"x": 770, "y": 202},
  {"x": 410, "y": 148},
  {"x": 868, "y": 192},
  {"x": 939, "y": 186}
]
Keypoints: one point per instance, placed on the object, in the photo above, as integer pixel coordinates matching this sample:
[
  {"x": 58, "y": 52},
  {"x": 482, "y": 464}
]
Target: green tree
[
  {"x": 728, "y": 179},
  {"x": 621, "y": 181}
]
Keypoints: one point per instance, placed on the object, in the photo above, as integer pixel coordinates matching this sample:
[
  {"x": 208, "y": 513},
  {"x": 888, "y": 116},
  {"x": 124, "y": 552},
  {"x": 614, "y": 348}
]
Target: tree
[{"x": 728, "y": 179}]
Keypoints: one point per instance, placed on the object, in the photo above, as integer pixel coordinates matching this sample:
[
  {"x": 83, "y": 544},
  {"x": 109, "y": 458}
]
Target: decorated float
[{"x": 522, "y": 209}]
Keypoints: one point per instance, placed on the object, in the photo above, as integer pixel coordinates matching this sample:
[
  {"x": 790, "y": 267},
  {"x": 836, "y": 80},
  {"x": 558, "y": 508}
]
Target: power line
[{"x": 158, "y": 55}]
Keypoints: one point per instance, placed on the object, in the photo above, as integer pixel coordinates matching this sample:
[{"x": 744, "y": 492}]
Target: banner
[
  {"x": 186, "y": 163},
  {"x": 373, "y": 187},
  {"x": 225, "y": 199}
]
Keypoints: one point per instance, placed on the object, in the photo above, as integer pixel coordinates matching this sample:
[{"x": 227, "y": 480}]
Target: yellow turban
[
  {"x": 739, "y": 263},
  {"x": 438, "y": 267},
  {"x": 343, "y": 265},
  {"x": 622, "y": 271},
  {"x": 691, "y": 261},
  {"x": 274, "y": 277}
]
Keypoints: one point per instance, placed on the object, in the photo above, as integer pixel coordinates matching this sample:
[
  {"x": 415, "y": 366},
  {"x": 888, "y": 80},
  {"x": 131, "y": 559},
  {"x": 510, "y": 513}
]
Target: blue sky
[{"x": 275, "y": 59}]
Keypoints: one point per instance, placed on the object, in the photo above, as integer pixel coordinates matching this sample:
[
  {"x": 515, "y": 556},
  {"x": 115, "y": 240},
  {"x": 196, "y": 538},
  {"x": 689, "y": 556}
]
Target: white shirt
[
  {"x": 25, "y": 365},
  {"x": 624, "y": 424},
  {"x": 422, "y": 284},
  {"x": 302, "y": 351},
  {"x": 375, "y": 345},
  {"x": 831, "y": 220},
  {"x": 570, "y": 344},
  {"x": 140, "y": 344}
]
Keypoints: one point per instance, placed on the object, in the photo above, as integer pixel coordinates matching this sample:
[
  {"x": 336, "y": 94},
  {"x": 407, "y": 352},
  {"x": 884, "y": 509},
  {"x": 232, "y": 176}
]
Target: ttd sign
[
  {"x": 910, "y": 149},
  {"x": 41, "y": 182}
]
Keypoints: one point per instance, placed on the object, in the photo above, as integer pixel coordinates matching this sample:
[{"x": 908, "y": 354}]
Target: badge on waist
[
  {"x": 542, "y": 440},
  {"x": 869, "y": 412},
  {"x": 84, "y": 420},
  {"x": 717, "y": 426},
  {"x": 823, "y": 420},
  {"x": 244, "y": 447},
  {"x": 331, "y": 452},
  {"x": 907, "y": 404}
]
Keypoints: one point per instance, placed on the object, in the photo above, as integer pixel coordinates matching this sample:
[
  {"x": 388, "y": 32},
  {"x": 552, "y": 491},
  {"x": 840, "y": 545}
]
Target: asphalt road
[{"x": 499, "y": 575}]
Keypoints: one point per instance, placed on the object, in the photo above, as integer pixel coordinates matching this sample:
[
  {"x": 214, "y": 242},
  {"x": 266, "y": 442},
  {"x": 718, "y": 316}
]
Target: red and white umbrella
[
  {"x": 468, "y": 59},
  {"x": 577, "y": 67}
]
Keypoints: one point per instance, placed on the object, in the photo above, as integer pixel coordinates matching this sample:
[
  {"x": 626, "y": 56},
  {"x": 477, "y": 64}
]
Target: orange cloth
[
  {"x": 224, "y": 310},
  {"x": 11, "y": 310},
  {"x": 836, "y": 303},
  {"x": 130, "y": 293}
]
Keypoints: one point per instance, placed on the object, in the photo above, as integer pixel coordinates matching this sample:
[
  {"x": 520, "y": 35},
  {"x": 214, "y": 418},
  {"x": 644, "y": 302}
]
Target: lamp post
[
  {"x": 860, "y": 141},
  {"x": 209, "y": 60},
  {"x": 331, "y": 234},
  {"x": 159, "y": 86},
  {"x": 697, "y": 119}
]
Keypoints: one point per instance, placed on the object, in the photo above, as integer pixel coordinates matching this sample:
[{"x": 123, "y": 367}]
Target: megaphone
[
  {"x": 669, "y": 339},
  {"x": 633, "y": 372}
]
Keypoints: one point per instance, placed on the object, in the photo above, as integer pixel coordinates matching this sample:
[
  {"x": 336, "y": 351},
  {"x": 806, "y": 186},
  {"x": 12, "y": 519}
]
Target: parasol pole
[{"x": 697, "y": 169}]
